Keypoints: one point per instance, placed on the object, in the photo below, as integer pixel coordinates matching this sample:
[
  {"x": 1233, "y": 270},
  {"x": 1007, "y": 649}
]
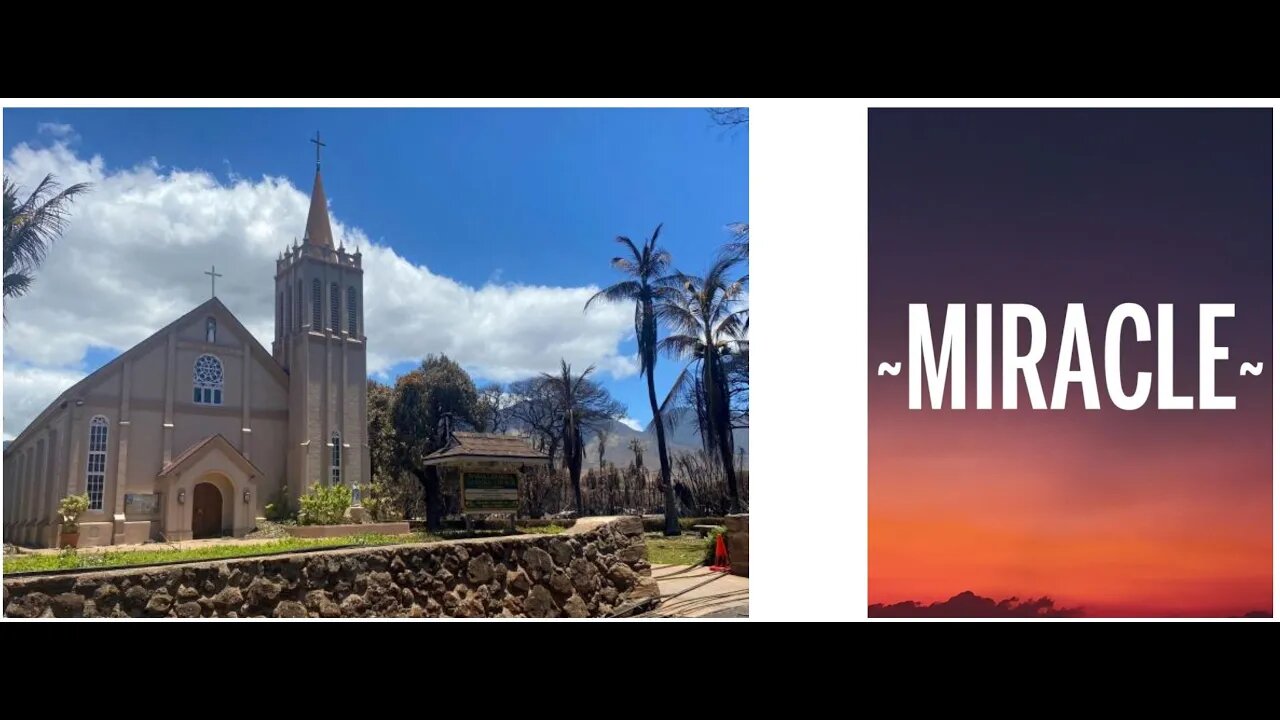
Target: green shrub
[
  {"x": 324, "y": 505},
  {"x": 379, "y": 500},
  {"x": 70, "y": 508},
  {"x": 278, "y": 509}
]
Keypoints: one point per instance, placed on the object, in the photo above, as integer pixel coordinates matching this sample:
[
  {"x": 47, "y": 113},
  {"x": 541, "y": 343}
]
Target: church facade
[{"x": 192, "y": 432}]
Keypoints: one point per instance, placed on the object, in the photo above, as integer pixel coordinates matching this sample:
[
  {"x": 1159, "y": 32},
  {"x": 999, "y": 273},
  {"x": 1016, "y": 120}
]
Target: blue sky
[{"x": 527, "y": 197}]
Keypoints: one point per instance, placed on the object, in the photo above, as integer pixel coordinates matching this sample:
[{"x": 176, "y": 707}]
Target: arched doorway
[{"x": 206, "y": 511}]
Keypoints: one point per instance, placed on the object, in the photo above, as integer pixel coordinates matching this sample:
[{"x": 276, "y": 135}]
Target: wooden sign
[{"x": 486, "y": 492}]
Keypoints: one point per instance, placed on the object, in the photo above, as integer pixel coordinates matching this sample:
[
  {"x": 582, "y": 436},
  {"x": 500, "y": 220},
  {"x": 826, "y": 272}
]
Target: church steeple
[
  {"x": 318, "y": 230},
  {"x": 320, "y": 344}
]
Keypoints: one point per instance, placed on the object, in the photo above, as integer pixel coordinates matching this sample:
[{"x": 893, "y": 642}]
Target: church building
[{"x": 193, "y": 431}]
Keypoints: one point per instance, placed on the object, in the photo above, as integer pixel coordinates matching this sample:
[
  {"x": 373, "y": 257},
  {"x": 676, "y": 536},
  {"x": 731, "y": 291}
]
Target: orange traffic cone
[{"x": 722, "y": 556}]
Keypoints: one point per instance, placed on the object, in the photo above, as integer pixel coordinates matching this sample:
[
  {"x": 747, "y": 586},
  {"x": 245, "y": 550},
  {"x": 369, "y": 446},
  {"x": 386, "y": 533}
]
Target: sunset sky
[{"x": 1149, "y": 512}]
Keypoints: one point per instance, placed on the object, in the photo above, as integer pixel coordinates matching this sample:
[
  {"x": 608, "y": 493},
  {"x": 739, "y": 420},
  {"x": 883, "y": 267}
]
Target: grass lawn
[
  {"x": 682, "y": 550},
  {"x": 541, "y": 530},
  {"x": 149, "y": 554}
]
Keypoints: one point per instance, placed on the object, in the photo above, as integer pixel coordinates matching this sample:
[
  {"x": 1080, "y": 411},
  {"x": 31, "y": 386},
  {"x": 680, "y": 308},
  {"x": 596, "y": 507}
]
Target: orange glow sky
[
  {"x": 1144, "y": 513},
  {"x": 1048, "y": 507}
]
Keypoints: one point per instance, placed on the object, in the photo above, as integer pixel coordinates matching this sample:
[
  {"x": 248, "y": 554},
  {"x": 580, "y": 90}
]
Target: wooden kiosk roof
[{"x": 485, "y": 446}]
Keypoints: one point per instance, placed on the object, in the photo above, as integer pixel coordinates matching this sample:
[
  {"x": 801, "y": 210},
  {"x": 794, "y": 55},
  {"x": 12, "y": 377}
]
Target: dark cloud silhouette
[{"x": 969, "y": 605}]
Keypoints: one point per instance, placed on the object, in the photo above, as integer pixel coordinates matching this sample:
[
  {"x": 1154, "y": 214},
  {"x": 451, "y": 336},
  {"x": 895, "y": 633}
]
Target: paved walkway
[{"x": 689, "y": 591}]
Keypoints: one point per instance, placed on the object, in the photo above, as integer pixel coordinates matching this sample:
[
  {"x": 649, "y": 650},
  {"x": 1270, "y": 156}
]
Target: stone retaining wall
[{"x": 593, "y": 569}]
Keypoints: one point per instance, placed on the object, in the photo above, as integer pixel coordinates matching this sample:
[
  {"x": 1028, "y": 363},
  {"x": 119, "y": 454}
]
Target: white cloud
[
  {"x": 132, "y": 257},
  {"x": 632, "y": 423},
  {"x": 29, "y": 390},
  {"x": 61, "y": 131}
]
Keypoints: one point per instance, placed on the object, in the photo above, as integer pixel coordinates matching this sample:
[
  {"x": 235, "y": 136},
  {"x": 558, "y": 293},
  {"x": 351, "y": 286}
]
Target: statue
[{"x": 356, "y": 513}]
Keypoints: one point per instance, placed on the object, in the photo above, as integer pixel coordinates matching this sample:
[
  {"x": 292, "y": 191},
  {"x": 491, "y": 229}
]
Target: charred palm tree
[
  {"x": 646, "y": 268},
  {"x": 637, "y": 449},
  {"x": 707, "y": 327},
  {"x": 585, "y": 405},
  {"x": 602, "y": 441}
]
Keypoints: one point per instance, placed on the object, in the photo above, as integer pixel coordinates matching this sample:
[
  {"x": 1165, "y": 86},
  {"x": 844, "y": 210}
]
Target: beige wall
[
  {"x": 138, "y": 393},
  {"x": 146, "y": 369},
  {"x": 34, "y": 480},
  {"x": 327, "y": 369}
]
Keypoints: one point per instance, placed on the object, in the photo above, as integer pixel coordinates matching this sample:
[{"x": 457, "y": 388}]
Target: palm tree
[
  {"x": 584, "y": 404},
  {"x": 602, "y": 439},
  {"x": 740, "y": 244},
  {"x": 646, "y": 267},
  {"x": 707, "y": 329},
  {"x": 30, "y": 227},
  {"x": 637, "y": 448}
]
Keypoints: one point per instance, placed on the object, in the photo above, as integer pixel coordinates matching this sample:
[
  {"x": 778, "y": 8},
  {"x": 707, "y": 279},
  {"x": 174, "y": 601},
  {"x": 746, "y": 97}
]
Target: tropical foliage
[
  {"x": 30, "y": 227},
  {"x": 706, "y": 317},
  {"x": 70, "y": 508},
  {"x": 646, "y": 267},
  {"x": 584, "y": 406},
  {"x": 324, "y": 504},
  {"x": 427, "y": 405},
  {"x": 708, "y": 324}
]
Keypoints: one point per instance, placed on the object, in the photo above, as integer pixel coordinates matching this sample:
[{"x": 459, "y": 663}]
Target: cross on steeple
[
  {"x": 213, "y": 274},
  {"x": 319, "y": 145}
]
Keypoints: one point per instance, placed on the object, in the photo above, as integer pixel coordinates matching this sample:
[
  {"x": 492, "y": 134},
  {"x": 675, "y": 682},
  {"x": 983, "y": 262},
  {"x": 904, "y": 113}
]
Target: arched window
[
  {"x": 334, "y": 311},
  {"x": 316, "y": 317},
  {"x": 280, "y": 315},
  {"x": 210, "y": 330},
  {"x": 351, "y": 310},
  {"x": 206, "y": 381},
  {"x": 335, "y": 459},
  {"x": 297, "y": 313},
  {"x": 96, "y": 465}
]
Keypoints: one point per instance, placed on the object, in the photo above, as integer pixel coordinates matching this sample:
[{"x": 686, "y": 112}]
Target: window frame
[
  {"x": 207, "y": 392},
  {"x": 335, "y": 308},
  {"x": 317, "y": 305},
  {"x": 335, "y": 458},
  {"x": 97, "y": 471},
  {"x": 351, "y": 310}
]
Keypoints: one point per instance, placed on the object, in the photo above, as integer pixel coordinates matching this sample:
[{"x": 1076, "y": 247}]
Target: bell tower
[{"x": 320, "y": 342}]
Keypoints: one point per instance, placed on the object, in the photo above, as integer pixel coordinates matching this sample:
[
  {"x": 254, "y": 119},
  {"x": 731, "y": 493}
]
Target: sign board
[
  {"x": 141, "y": 504},
  {"x": 490, "y": 492}
]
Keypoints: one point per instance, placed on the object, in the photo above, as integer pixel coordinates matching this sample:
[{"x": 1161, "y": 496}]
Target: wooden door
[{"x": 206, "y": 511}]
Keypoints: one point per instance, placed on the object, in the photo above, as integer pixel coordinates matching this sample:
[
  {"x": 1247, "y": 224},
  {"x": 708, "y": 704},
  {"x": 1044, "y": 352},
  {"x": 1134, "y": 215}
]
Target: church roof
[
  {"x": 216, "y": 441},
  {"x": 205, "y": 308},
  {"x": 488, "y": 446},
  {"x": 318, "y": 230}
]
